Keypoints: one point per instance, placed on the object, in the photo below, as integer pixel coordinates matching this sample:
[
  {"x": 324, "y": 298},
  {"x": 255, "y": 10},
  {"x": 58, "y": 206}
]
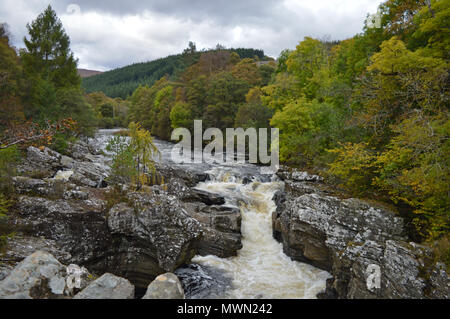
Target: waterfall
[{"x": 261, "y": 269}]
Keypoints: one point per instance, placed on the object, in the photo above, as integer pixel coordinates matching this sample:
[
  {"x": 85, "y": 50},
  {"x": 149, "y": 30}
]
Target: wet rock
[
  {"x": 166, "y": 286},
  {"x": 154, "y": 236},
  {"x": 166, "y": 172},
  {"x": 177, "y": 187},
  {"x": 205, "y": 197},
  {"x": 107, "y": 286},
  {"x": 39, "y": 276},
  {"x": 221, "y": 227},
  {"x": 203, "y": 282},
  {"x": 355, "y": 240}
]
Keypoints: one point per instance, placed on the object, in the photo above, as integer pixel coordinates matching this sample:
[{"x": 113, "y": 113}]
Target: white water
[{"x": 261, "y": 269}]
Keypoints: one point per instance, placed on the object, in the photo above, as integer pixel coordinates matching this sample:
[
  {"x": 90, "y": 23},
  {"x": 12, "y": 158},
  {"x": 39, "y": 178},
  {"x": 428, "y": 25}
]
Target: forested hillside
[
  {"x": 369, "y": 112},
  {"x": 122, "y": 82}
]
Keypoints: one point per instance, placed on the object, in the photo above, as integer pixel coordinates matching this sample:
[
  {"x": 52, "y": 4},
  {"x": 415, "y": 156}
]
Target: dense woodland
[
  {"x": 124, "y": 81},
  {"x": 370, "y": 113}
]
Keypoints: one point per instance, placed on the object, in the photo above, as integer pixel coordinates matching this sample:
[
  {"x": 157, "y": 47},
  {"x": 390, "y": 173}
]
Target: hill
[
  {"x": 123, "y": 81},
  {"x": 87, "y": 73}
]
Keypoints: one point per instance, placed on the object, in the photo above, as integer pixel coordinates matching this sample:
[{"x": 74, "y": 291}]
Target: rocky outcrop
[
  {"x": 79, "y": 227},
  {"x": 221, "y": 226},
  {"x": 39, "y": 276},
  {"x": 292, "y": 174},
  {"x": 153, "y": 236},
  {"x": 364, "y": 247},
  {"x": 107, "y": 286},
  {"x": 165, "y": 173},
  {"x": 65, "y": 208},
  {"x": 47, "y": 163},
  {"x": 42, "y": 276},
  {"x": 166, "y": 286},
  {"x": 19, "y": 247}
]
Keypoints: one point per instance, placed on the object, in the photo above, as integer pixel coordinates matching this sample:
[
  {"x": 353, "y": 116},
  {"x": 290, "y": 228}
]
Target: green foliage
[
  {"x": 253, "y": 113},
  {"x": 108, "y": 112},
  {"x": 133, "y": 156},
  {"x": 181, "y": 115},
  {"x": 124, "y": 81},
  {"x": 122, "y": 169},
  {"x": 354, "y": 166},
  {"x": 307, "y": 129},
  {"x": 372, "y": 111},
  {"x": 9, "y": 158},
  {"x": 414, "y": 169},
  {"x": 48, "y": 54},
  {"x": 4, "y": 206}
]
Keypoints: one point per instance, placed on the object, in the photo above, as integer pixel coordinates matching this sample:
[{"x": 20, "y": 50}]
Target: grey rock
[
  {"x": 154, "y": 236},
  {"x": 107, "y": 286},
  {"x": 78, "y": 226},
  {"x": 89, "y": 174},
  {"x": 221, "y": 227},
  {"x": 19, "y": 247},
  {"x": 39, "y": 276},
  {"x": 166, "y": 286},
  {"x": 349, "y": 237},
  {"x": 293, "y": 174}
]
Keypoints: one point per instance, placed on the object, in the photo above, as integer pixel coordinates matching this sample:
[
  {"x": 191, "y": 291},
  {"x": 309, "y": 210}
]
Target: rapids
[{"x": 260, "y": 269}]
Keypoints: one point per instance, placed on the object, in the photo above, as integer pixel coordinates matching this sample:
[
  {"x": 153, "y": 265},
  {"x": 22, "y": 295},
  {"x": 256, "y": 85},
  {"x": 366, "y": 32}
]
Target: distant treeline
[{"x": 122, "y": 82}]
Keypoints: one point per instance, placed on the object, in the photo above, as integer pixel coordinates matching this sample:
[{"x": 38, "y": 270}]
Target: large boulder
[
  {"x": 357, "y": 242},
  {"x": 40, "y": 163},
  {"x": 19, "y": 247},
  {"x": 107, "y": 286},
  {"x": 166, "y": 286},
  {"x": 165, "y": 173},
  {"x": 153, "y": 236},
  {"x": 39, "y": 276},
  {"x": 79, "y": 227},
  {"x": 221, "y": 226}
]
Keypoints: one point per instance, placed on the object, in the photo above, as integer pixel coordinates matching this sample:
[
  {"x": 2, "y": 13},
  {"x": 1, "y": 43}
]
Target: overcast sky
[{"x": 107, "y": 34}]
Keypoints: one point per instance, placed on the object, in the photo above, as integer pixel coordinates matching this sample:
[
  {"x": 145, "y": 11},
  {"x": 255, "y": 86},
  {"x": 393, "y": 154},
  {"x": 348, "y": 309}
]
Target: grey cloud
[{"x": 111, "y": 34}]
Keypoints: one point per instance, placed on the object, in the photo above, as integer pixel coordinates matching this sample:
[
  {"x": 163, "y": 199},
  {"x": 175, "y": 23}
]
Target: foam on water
[{"x": 261, "y": 269}]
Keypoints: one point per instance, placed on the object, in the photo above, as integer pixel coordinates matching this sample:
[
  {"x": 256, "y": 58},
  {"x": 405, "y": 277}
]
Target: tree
[
  {"x": 12, "y": 83},
  {"x": 133, "y": 157},
  {"x": 47, "y": 54},
  {"x": 253, "y": 113},
  {"x": 192, "y": 48},
  {"x": 309, "y": 56},
  {"x": 181, "y": 116}
]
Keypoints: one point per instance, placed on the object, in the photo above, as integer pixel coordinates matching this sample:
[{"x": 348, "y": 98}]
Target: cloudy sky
[{"x": 107, "y": 34}]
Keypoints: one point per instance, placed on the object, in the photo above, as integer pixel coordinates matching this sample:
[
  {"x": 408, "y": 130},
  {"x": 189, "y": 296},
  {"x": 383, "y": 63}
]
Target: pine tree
[{"x": 47, "y": 54}]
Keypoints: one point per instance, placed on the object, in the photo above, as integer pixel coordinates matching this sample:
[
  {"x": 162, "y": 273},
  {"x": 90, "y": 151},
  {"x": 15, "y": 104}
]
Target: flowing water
[{"x": 260, "y": 269}]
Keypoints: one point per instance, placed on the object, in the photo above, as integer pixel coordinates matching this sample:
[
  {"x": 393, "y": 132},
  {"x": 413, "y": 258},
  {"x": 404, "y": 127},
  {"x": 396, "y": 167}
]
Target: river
[{"x": 260, "y": 269}]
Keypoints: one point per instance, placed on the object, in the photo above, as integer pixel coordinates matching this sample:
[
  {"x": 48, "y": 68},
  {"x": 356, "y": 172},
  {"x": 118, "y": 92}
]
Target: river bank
[{"x": 216, "y": 228}]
